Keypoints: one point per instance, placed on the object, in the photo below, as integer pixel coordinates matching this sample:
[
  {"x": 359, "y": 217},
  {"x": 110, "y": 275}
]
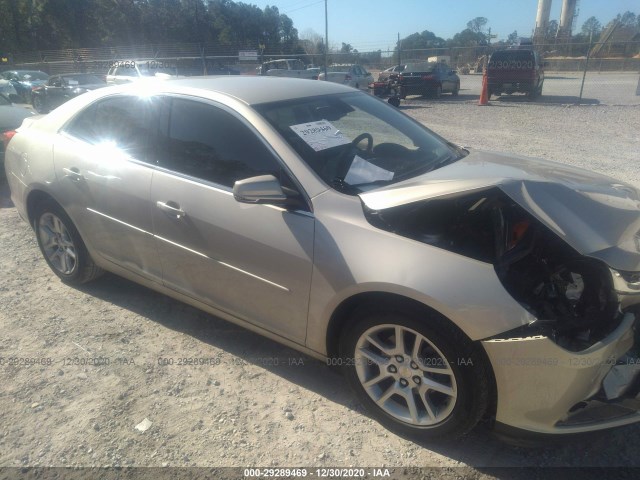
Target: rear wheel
[
  {"x": 418, "y": 376},
  {"x": 62, "y": 246},
  {"x": 437, "y": 92},
  {"x": 38, "y": 104},
  {"x": 456, "y": 90}
]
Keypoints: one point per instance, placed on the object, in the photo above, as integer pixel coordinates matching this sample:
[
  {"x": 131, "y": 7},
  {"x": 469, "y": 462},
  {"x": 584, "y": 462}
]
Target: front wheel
[
  {"x": 417, "y": 375},
  {"x": 437, "y": 92},
  {"x": 62, "y": 246}
]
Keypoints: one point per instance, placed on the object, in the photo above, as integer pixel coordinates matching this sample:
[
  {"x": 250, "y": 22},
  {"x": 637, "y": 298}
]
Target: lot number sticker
[{"x": 320, "y": 135}]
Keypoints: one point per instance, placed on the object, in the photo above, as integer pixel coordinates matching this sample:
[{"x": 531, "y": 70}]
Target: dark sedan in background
[
  {"x": 61, "y": 88},
  {"x": 24, "y": 81},
  {"x": 428, "y": 78}
]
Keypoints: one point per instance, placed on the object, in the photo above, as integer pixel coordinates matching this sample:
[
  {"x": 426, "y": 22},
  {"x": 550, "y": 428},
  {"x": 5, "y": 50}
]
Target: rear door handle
[
  {"x": 171, "y": 207},
  {"x": 73, "y": 173}
]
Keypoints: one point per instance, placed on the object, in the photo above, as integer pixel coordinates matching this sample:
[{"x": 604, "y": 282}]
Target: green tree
[
  {"x": 591, "y": 26},
  {"x": 346, "y": 48},
  {"x": 627, "y": 19},
  {"x": 477, "y": 24}
]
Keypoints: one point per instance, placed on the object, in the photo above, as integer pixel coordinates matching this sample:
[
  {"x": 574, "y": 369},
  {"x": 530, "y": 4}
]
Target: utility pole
[
  {"x": 326, "y": 41},
  {"x": 399, "y": 62}
]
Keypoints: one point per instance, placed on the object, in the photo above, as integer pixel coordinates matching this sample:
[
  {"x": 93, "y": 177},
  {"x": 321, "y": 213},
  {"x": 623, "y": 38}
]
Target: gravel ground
[{"x": 254, "y": 402}]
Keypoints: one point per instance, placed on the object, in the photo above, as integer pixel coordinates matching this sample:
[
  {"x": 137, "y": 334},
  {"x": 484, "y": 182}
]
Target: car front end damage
[{"x": 565, "y": 244}]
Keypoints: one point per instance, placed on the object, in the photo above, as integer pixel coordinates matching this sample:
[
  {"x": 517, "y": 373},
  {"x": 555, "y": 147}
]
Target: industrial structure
[{"x": 541, "y": 32}]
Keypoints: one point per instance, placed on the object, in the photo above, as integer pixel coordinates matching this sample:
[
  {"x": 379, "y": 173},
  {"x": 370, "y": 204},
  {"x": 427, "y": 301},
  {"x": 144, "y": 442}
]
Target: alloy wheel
[
  {"x": 405, "y": 374},
  {"x": 57, "y": 243}
]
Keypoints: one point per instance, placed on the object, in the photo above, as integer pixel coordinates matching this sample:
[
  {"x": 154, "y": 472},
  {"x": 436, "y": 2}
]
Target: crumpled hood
[{"x": 595, "y": 214}]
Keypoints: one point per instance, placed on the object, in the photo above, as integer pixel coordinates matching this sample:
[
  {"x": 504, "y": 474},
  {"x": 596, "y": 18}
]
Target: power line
[{"x": 304, "y": 6}]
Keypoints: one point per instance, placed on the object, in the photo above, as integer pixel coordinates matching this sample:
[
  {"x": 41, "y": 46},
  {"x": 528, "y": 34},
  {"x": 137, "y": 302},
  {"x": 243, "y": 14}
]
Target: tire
[
  {"x": 61, "y": 245},
  {"x": 38, "y": 105},
  {"x": 394, "y": 385},
  {"x": 437, "y": 92},
  {"x": 535, "y": 93},
  {"x": 456, "y": 90}
]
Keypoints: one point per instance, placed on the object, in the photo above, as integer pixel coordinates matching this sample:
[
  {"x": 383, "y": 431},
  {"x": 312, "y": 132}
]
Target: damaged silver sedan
[{"x": 451, "y": 286}]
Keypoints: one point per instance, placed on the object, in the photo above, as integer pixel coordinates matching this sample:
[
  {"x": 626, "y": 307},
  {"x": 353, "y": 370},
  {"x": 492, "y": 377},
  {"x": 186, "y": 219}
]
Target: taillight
[
  {"x": 347, "y": 78},
  {"x": 427, "y": 77},
  {"x": 6, "y": 136}
]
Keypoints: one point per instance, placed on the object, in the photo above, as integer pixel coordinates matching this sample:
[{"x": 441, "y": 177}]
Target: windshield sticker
[
  {"x": 320, "y": 135},
  {"x": 362, "y": 171}
]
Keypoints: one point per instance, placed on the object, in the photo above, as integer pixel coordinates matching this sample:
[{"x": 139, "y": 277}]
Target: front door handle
[
  {"x": 171, "y": 207},
  {"x": 73, "y": 173}
]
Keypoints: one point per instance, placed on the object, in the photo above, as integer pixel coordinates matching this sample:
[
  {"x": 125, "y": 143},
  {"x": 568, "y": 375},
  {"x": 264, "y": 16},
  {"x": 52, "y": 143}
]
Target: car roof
[
  {"x": 26, "y": 71},
  {"x": 252, "y": 90}
]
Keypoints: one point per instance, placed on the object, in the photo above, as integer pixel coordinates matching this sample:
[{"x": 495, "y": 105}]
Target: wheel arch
[
  {"x": 380, "y": 300},
  {"x": 342, "y": 314},
  {"x": 34, "y": 198}
]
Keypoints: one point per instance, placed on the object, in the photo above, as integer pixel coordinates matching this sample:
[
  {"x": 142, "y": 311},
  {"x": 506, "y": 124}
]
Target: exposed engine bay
[{"x": 572, "y": 295}]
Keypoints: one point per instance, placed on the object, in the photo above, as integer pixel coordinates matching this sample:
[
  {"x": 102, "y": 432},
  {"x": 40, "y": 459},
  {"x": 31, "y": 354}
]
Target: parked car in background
[
  {"x": 351, "y": 75},
  {"x": 11, "y": 117},
  {"x": 428, "y": 79},
  {"x": 392, "y": 74},
  {"x": 24, "y": 81},
  {"x": 515, "y": 70},
  {"x": 285, "y": 67},
  {"x": 314, "y": 71},
  {"x": 126, "y": 71},
  {"x": 207, "y": 66},
  {"x": 449, "y": 285},
  {"x": 61, "y": 88}
]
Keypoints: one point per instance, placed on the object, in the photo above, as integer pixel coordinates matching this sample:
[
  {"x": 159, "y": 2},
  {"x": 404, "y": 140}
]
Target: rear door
[
  {"x": 251, "y": 261},
  {"x": 104, "y": 180}
]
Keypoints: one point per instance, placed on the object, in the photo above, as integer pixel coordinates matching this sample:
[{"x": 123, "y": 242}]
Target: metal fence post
[{"x": 586, "y": 65}]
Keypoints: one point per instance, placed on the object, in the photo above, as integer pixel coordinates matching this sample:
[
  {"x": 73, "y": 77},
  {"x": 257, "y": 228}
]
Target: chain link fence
[{"x": 582, "y": 73}]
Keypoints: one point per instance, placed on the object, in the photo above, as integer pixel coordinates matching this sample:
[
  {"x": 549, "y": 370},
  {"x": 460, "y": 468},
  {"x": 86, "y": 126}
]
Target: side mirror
[{"x": 261, "y": 189}]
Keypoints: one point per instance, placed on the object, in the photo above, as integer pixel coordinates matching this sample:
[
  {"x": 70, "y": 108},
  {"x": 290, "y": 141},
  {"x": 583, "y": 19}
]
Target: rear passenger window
[
  {"x": 206, "y": 142},
  {"x": 124, "y": 123}
]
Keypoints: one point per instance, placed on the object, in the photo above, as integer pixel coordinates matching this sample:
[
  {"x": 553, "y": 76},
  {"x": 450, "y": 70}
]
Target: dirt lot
[{"x": 252, "y": 402}]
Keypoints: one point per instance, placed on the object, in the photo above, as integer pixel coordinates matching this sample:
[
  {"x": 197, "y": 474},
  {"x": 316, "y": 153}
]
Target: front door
[{"x": 251, "y": 261}]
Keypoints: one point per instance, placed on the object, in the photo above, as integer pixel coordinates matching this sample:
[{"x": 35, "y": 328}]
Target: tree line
[
  {"x": 477, "y": 34},
  {"x": 31, "y": 25}
]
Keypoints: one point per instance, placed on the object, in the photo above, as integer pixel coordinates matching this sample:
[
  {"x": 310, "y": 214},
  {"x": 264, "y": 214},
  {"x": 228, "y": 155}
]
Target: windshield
[
  {"x": 355, "y": 142},
  {"x": 152, "y": 70},
  {"x": 339, "y": 68},
  {"x": 511, "y": 59},
  {"x": 29, "y": 76},
  {"x": 420, "y": 67},
  {"x": 82, "y": 79}
]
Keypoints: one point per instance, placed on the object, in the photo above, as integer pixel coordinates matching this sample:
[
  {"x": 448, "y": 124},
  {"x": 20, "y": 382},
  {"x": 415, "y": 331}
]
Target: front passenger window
[{"x": 209, "y": 143}]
